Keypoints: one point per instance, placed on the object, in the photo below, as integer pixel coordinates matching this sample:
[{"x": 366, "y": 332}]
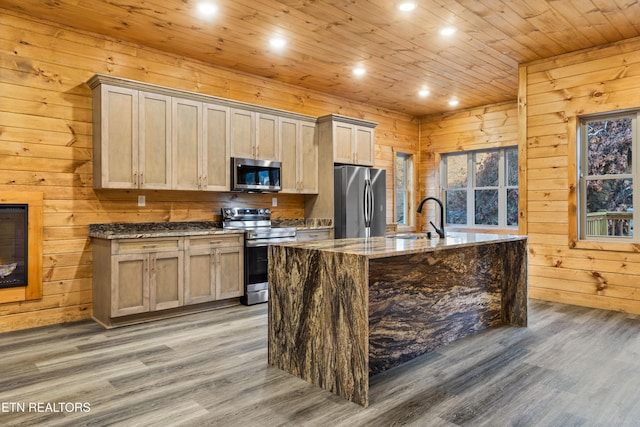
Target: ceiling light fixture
[
  {"x": 447, "y": 31},
  {"x": 453, "y": 102},
  {"x": 424, "y": 92},
  {"x": 277, "y": 42},
  {"x": 359, "y": 71},
  {"x": 207, "y": 9},
  {"x": 407, "y": 6}
]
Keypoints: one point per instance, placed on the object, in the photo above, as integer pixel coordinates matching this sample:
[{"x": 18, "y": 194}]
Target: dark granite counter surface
[
  {"x": 403, "y": 244},
  {"x": 157, "y": 229}
]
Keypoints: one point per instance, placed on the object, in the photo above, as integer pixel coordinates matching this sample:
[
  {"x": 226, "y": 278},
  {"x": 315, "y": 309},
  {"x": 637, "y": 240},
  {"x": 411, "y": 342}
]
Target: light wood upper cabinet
[
  {"x": 154, "y": 143},
  {"x": 201, "y": 146},
  {"x": 267, "y": 138},
  {"x": 289, "y": 142},
  {"x": 343, "y": 146},
  {"x": 299, "y": 156},
  {"x": 353, "y": 140},
  {"x": 153, "y": 137},
  {"x": 187, "y": 131},
  {"x": 243, "y": 133},
  {"x": 364, "y": 146},
  {"x": 115, "y": 137},
  {"x": 216, "y": 149},
  {"x": 254, "y": 135},
  {"x": 132, "y": 140}
]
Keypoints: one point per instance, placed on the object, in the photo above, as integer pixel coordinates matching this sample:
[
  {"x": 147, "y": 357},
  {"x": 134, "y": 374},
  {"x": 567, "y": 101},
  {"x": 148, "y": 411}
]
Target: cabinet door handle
[
  {"x": 141, "y": 178},
  {"x": 149, "y": 246},
  {"x": 215, "y": 242},
  {"x": 135, "y": 179}
]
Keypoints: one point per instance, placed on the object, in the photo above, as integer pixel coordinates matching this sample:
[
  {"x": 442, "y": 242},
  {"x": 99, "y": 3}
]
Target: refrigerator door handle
[
  {"x": 372, "y": 204},
  {"x": 367, "y": 207}
]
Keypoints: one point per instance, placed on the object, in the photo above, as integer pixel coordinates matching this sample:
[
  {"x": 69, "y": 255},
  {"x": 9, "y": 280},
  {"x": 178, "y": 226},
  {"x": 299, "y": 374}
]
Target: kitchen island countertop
[{"x": 403, "y": 244}]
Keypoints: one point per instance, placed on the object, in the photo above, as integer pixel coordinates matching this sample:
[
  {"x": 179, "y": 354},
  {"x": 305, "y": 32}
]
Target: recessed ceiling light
[
  {"x": 207, "y": 9},
  {"x": 407, "y": 6},
  {"x": 424, "y": 92},
  {"x": 277, "y": 42},
  {"x": 359, "y": 71},
  {"x": 447, "y": 31},
  {"x": 453, "y": 102}
]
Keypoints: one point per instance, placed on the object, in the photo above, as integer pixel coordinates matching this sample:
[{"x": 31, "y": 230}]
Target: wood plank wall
[
  {"x": 45, "y": 145},
  {"x": 481, "y": 128},
  {"x": 556, "y": 91}
]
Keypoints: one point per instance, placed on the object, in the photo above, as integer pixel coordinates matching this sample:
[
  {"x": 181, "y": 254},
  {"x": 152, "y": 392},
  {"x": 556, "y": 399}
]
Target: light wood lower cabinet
[
  {"x": 149, "y": 275},
  {"x": 214, "y": 268},
  {"x": 146, "y": 282},
  {"x": 133, "y": 276}
]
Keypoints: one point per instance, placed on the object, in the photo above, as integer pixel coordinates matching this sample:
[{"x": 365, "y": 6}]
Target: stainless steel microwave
[{"x": 255, "y": 176}]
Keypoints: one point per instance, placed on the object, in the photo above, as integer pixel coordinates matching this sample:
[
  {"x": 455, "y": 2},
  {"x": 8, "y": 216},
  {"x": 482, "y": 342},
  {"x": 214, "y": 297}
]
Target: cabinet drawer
[
  {"x": 147, "y": 245},
  {"x": 309, "y": 235},
  {"x": 216, "y": 240}
]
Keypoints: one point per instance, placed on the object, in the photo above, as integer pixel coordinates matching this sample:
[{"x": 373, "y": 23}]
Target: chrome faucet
[{"x": 440, "y": 230}]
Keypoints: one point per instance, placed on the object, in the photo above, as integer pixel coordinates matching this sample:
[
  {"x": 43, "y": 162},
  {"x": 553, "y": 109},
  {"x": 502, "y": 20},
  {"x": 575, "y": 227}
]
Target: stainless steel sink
[{"x": 407, "y": 236}]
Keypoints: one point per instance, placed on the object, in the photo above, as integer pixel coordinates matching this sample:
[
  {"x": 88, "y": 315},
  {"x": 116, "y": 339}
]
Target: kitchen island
[{"x": 343, "y": 310}]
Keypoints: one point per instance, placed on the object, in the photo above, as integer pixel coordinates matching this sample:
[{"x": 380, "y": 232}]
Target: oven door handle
[{"x": 265, "y": 242}]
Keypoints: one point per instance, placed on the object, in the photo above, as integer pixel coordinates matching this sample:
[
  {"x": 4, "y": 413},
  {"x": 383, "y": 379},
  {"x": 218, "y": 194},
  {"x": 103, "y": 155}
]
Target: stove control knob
[
  {"x": 261, "y": 211},
  {"x": 267, "y": 211}
]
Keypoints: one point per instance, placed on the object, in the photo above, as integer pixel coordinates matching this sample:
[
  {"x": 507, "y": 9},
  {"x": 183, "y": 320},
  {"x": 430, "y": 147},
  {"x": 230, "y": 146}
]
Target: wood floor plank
[{"x": 571, "y": 366}]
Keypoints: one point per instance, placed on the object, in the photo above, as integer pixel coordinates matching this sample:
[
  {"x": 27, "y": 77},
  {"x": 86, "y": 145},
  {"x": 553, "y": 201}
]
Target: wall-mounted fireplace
[
  {"x": 13, "y": 245},
  {"x": 21, "y": 241}
]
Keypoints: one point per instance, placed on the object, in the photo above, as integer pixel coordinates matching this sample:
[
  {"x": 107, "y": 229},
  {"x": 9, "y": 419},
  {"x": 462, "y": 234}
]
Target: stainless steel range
[{"x": 258, "y": 235}]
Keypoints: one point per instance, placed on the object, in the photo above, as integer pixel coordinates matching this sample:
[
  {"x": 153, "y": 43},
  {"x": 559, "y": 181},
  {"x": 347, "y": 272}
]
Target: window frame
[
  {"x": 471, "y": 187},
  {"x": 579, "y": 238},
  {"x": 408, "y": 189}
]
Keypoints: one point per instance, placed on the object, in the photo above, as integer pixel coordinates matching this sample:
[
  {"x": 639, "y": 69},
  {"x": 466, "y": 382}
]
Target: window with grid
[
  {"x": 606, "y": 144},
  {"x": 480, "y": 188}
]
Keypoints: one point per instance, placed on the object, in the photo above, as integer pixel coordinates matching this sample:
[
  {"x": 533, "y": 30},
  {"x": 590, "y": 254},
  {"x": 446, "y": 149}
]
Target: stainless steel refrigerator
[{"x": 360, "y": 206}]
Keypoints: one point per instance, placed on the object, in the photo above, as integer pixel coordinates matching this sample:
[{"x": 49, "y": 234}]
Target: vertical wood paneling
[
  {"x": 474, "y": 129},
  {"x": 558, "y": 90},
  {"x": 45, "y": 145}
]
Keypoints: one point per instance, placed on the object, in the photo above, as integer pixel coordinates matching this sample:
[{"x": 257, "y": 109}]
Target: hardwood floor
[{"x": 572, "y": 366}]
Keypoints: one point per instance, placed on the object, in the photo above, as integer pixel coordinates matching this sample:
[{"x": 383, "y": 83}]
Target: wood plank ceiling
[{"x": 402, "y": 52}]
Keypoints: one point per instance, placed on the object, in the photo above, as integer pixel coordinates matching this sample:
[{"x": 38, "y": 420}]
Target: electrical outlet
[
  {"x": 274, "y": 201},
  {"x": 141, "y": 200}
]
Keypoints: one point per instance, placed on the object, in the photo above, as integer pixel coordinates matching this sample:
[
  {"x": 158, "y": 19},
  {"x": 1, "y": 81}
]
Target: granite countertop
[
  {"x": 394, "y": 245},
  {"x": 157, "y": 229}
]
